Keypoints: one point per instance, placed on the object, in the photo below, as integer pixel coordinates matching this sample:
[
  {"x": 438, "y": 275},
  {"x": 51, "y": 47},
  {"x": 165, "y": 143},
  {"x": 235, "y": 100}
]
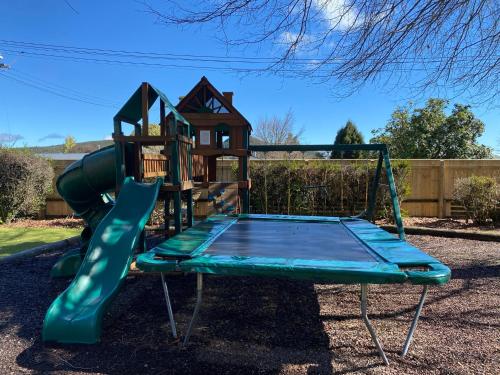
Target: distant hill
[
  {"x": 80, "y": 147},
  {"x": 86, "y": 147},
  {"x": 90, "y": 146}
]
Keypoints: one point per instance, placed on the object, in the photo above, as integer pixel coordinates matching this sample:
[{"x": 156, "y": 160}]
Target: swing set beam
[{"x": 302, "y": 148}]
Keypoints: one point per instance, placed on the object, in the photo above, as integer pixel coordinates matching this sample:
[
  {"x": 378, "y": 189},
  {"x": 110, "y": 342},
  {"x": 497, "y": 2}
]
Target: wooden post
[
  {"x": 205, "y": 169},
  {"x": 177, "y": 212},
  {"x": 176, "y": 181},
  {"x": 246, "y": 191},
  {"x": 119, "y": 157},
  {"x": 166, "y": 214},
  {"x": 189, "y": 212},
  {"x": 441, "y": 188},
  {"x": 212, "y": 168},
  {"x": 163, "y": 131},
  {"x": 145, "y": 109}
]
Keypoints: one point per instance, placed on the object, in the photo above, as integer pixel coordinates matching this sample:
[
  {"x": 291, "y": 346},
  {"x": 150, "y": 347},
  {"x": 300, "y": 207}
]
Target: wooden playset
[{"x": 202, "y": 127}]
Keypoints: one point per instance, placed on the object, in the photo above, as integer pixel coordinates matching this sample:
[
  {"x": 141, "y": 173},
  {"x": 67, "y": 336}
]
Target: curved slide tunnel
[{"x": 76, "y": 314}]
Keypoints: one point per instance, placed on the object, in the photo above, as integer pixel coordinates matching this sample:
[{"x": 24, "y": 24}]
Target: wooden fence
[{"x": 431, "y": 182}]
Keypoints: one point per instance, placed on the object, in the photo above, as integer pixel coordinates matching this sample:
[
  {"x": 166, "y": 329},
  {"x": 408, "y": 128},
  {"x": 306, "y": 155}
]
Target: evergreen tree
[{"x": 348, "y": 135}]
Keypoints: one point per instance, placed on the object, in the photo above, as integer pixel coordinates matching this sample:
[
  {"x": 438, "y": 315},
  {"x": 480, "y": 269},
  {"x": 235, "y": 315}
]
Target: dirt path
[{"x": 267, "y": 326}]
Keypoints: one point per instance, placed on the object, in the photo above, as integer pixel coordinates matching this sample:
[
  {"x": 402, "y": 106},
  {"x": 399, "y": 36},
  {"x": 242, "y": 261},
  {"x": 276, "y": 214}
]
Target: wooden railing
[
  {"x": 184, "y": 160},
  {"x": 155, "y": 165}
]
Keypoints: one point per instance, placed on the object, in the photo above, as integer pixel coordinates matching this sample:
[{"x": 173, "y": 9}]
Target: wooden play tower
[
  {"x": 173, "y": 162},
  {"x": 218, "y": 129}
]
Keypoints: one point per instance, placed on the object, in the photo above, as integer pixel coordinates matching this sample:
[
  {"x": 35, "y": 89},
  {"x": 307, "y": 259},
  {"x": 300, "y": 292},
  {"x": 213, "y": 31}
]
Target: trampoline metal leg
[
  {"x": 415, "y": 321},
  {"x": 199, "y": 290},
  {"x": 364, "y": 315},
  {"x": 169, "y": 306}
]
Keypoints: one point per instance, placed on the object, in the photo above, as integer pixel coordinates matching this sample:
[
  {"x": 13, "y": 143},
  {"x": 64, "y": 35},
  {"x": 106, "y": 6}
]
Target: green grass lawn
[{"x": 15, "y": 239}]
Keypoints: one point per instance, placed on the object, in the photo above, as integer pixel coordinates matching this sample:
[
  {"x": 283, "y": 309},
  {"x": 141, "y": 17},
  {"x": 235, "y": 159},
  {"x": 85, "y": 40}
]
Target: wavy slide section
[{"x": 76, "y": 314}]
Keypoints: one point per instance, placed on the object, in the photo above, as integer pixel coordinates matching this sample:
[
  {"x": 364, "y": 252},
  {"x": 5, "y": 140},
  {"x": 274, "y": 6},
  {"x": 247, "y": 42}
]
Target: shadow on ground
[
  {"x": 240, "y": 318},
  {"x": 260, "y": 325}
]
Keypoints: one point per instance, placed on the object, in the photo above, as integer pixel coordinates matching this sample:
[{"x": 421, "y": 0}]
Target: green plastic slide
[
  {"x": 76, "y": 314},
  {"x": 84, "y": 186}
]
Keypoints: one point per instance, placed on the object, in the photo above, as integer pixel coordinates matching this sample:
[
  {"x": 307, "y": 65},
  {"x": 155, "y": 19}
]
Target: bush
[
  {"x": 25, "y": 181},
  {"x": 480, "y": 196}
]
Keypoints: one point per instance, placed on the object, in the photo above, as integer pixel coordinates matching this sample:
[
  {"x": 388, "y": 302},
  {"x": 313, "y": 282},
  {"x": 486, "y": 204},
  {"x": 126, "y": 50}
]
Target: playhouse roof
[
  {"x": 205, "y": 96},
  {"x": 132, "y": 110}
]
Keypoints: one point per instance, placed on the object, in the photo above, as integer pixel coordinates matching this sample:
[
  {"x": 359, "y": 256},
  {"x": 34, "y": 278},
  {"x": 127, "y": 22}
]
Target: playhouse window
[{"x": 222, "y": 139}]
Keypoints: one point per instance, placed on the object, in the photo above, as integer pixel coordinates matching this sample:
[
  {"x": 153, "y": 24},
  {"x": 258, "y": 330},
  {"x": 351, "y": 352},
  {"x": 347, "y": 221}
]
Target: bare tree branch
[{"x": 425, "y": 43}]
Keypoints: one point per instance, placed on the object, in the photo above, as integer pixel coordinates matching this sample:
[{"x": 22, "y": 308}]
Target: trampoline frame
[
  {"x": 440, "y": 273},
  {"x": 363, "y": 308}
]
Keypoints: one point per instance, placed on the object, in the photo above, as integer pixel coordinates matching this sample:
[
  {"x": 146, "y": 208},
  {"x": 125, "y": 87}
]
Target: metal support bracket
[
  {"x": 169, "y": 306},
  {"x": 364, "y": 315},
  {"x": 413, "y": 326},
  {"x": 199, "y": 292}
]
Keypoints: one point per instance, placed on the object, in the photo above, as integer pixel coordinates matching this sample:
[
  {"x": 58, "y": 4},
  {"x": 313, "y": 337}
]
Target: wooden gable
[{"x": 205, "y": 105}]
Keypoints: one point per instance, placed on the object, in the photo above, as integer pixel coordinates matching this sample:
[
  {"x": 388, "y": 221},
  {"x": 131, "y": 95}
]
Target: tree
[
  {"x": 153, "y": 129},
  {"x": 69, "y": 143},
  {"x": 347, "y": 135},
  {"x": 422, "y": 43},
  {"x": 428, "y": 133},
  {"x": 277, "y": 131}
]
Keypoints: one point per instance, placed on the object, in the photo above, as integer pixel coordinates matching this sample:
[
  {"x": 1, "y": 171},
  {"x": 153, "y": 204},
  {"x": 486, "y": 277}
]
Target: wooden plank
[
  {"x": 184, "y": 185},
  {"x": 220, "y": 152},
  {"x": 152, "y": 139},
  {"x": 154, "y": 157},
  {"x": 441, "y": 209},
  {"x": 163, "y": 119}
]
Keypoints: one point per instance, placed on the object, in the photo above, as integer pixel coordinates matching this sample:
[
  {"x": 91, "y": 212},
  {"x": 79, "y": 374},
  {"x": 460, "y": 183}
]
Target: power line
[
  {"x": 197, "y": 67},
  {"x": 136, "y": 63},
  {"x": 57, "y": 87},
  {"x": 44, "y": 89},
  {"x": 207, "y": 58}
]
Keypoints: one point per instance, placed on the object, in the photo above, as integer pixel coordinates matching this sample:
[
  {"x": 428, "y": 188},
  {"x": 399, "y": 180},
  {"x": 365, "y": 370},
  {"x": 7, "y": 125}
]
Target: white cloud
[
  {"x": 339, "y": 14},
  {"x": 288, "y": 38},
  {"x": 108, "y": 137}
]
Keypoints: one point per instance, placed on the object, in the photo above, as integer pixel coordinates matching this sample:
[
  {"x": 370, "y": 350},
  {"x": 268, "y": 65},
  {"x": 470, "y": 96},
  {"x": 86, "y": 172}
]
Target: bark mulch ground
[
  {"x": 449, "y": 224},
  {"x": 67, "y": 222},
  {"x": 266, "y": 326}
]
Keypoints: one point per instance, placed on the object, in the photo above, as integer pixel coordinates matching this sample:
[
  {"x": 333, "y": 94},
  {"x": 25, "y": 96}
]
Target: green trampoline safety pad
[{"x": 328, "y": 249}]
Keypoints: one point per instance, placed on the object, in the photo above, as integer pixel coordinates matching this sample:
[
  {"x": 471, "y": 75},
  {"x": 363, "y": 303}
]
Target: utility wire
[
  {"x": 57, "y": 87},
  {"x": 44, "y": 89},
  {"x": 197, "y": 67},
  {"x": 207, "y": 58}
]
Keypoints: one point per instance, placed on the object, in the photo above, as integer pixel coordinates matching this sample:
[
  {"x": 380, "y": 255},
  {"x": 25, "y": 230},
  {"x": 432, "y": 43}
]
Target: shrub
[
  {"x": 25, "y": 182},
  {"x": 479, "y": 195}
]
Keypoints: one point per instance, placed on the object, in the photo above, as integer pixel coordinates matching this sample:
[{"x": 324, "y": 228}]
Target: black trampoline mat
[{"x": 289, "y": 239}]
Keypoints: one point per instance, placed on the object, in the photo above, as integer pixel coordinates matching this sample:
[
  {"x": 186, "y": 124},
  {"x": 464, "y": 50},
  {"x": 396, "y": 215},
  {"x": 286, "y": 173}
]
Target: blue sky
[{"x": 42, "y": 118}]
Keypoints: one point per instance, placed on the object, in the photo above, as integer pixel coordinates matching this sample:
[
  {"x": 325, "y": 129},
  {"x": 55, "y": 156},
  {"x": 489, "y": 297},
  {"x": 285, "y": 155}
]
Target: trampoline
[{"x": 320, "y": 249}]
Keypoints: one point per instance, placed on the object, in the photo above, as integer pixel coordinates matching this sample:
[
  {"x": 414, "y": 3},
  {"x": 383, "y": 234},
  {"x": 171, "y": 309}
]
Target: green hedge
[{"x": 315, "y": 187}]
